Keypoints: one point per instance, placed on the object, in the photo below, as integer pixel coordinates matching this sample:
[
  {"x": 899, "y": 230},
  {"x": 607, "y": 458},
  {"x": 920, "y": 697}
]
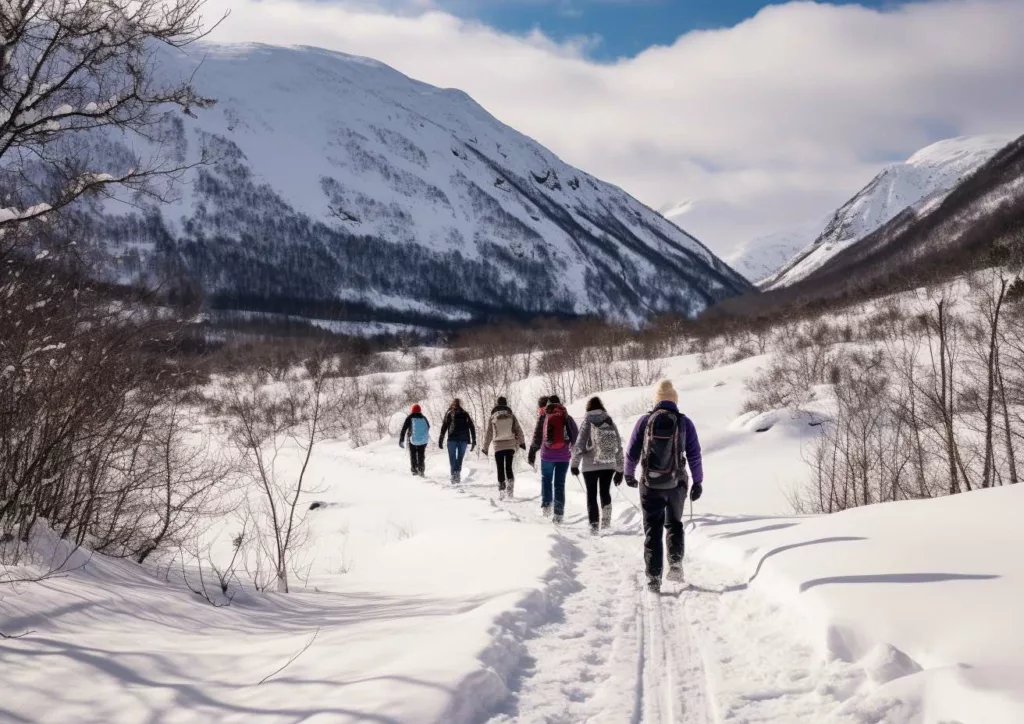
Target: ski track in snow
[{"x": 704, "y": 652}]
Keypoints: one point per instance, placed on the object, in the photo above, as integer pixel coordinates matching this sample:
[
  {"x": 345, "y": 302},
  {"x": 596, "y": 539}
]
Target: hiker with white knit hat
[{"x": 663, "y": 443}]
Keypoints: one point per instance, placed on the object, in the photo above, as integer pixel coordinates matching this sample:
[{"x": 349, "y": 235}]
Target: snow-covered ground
[{"x": 426, "y": 603}]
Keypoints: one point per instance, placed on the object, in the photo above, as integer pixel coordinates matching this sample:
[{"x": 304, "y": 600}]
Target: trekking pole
[{"x": 640, "y": 530}]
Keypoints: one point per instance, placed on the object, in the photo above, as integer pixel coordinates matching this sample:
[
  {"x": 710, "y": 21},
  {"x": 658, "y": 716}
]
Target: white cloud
[{"x": 773, "y": 121}]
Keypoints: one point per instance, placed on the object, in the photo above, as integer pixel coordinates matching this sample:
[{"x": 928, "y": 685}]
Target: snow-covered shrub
[
  {"x": 416, "y": 388},
  {"x": 791, "y": 376}
]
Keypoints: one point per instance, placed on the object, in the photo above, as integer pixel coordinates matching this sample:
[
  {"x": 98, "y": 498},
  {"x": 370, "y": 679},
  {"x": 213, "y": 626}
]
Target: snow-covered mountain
[
  {"x": 922, "y": 180},
  {"x": 343, "y": 188},
  {"x": 762, "y": 257}
]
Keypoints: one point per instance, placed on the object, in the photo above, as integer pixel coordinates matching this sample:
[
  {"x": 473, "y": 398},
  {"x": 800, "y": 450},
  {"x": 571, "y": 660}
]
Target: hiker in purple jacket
[
  {"x": 663, "y": 488},
  {"x": 554, "y": 437}
]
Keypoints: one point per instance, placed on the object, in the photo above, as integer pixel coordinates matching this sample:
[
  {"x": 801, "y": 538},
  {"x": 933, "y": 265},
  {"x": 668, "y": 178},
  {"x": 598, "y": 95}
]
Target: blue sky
[{"x": 624, "y": 27}]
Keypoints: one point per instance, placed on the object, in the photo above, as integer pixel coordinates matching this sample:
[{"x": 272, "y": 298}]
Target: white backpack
[
  {"x": 504, "y": 426},
  {"x": 604, "y": 443}
]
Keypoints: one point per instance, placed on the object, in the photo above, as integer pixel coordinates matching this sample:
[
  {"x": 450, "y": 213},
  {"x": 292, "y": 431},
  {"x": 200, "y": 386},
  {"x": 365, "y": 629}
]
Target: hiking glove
[
  {"x": 631, "y": 481},
  {"x": 575, "y": 472},
  {"x": 440, "y": 444},
  {"x": 696, "y": 491},
  {"x": 401, "y": 444},
  {"x": 522, "y": 446},
  {"x": 618, "y": 478}
]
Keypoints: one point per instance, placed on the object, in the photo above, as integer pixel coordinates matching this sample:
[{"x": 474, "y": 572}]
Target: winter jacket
[
  {"x": 458, "y": 426},
  {"x": 686, "y": 429},
  {"x": 584, "y": 452},
  {"x": 553, "y": 455},
  {"x": 407, "y": 428},
  {"x": 499, "y": 445}
]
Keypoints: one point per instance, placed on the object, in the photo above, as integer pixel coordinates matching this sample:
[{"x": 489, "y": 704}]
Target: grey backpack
[{"x": 605, "y": 443}]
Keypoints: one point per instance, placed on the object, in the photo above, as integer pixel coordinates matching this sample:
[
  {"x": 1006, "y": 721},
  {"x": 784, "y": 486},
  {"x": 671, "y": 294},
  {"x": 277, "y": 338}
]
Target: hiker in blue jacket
[
  {"x": 417, "y": 428},
  {"x": 663, "y": 442}
]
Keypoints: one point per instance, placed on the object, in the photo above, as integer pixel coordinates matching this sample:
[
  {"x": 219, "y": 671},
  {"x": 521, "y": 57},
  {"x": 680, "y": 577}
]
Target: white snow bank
[
  {"x": 928, "y": 586},
  {"x": 427, "y": 623}
]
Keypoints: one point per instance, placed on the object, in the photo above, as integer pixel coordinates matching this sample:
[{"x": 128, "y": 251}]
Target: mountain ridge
[
  {"x": 926, "y": 177},
  {"x": 341, "y": 182}
]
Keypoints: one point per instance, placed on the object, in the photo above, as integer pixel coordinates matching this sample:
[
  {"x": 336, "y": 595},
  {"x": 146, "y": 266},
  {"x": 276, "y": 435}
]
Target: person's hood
[
  {"x": 416, "y": 414},
  {"x": 596, "y": 417},
  {"x": 500, "y": 408},
  {"x": 667, "y": 405},
  {"x": 553, "y": 406}
]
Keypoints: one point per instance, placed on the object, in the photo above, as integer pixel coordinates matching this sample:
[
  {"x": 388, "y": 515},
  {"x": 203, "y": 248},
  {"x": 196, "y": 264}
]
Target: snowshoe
[{"x": 675, "y": 573}]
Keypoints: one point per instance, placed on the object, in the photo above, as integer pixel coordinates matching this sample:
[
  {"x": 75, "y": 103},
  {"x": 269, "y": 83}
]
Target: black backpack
[
  {"x": 663, "y": 453},
  {"x": 460, "y": 422}
]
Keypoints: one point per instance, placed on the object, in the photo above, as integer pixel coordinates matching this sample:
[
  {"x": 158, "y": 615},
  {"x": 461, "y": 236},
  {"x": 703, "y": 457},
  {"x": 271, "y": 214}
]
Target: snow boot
[
  {"x": 545, "y": 510},
  {"x": 595, "y": 529},
  {"x": 653, "y": 584},
  {"x": 510, "y": 489},
  {"x": 675, "y": 573},
  {"x": 502, "y": 494},
  {"x": 557, "y": 520},
  {"x": 606, "y": 516}
]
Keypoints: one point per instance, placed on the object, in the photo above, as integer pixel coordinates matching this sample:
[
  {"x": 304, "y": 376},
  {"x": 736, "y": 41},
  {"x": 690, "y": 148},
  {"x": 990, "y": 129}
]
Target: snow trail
[
  {"x": 617, "y": 653},
  {"x": 702, "y": 652}
]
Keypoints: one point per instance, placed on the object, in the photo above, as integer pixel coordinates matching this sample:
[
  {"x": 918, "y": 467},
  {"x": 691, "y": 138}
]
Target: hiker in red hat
[{"x": 417, "y": 427}]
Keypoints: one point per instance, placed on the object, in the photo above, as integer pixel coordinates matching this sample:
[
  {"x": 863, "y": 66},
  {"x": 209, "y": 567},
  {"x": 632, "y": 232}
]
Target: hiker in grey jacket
[
  {"x": 598, "y": 452},
  {"x": 504, "y": 430}
]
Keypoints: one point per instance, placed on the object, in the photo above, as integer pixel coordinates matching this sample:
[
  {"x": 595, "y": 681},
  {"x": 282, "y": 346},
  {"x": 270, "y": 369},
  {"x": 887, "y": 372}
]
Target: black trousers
[
  {"x": 598, "y": 482},
  {"x": 663, "y": 513},
  {"x": 503, "y": 459},
  {"x": 417, "y": 458}
]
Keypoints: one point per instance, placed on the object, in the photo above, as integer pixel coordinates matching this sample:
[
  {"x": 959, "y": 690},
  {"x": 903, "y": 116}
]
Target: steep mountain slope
[
  {"x": 922, "y": 180},
  {"x": 344, "y": 189},
  {"x": 978, "y": 223}
]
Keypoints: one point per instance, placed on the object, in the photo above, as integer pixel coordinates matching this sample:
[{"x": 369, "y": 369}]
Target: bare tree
[
  {"x": 71, "y": 69},
  {"x": 188, "y": 478},
  {"x": 269, "y": 421}
]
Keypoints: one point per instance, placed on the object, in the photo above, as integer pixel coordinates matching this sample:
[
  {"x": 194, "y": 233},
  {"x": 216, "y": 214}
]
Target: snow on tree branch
[{"x": 71, "y": 68}]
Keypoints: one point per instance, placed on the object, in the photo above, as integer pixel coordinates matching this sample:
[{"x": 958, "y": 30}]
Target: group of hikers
[{"x": 662, "y": 445}]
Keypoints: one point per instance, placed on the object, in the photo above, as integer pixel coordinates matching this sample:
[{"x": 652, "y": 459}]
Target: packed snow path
[{"x": 706, "y": 651}]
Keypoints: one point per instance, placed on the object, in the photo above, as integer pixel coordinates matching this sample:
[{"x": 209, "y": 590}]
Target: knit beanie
[
  {"x": 502, "y": 402},
  {"x": 665, "y": 392},
  {"x": 417, "y": 408}
]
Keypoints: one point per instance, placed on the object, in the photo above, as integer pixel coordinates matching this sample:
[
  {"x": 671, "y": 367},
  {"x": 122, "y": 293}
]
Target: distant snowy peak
[
  {"x": 923, "y": 179},
  {"x": 759, "y": 258},
  {"x": 343, "y": 186}
]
